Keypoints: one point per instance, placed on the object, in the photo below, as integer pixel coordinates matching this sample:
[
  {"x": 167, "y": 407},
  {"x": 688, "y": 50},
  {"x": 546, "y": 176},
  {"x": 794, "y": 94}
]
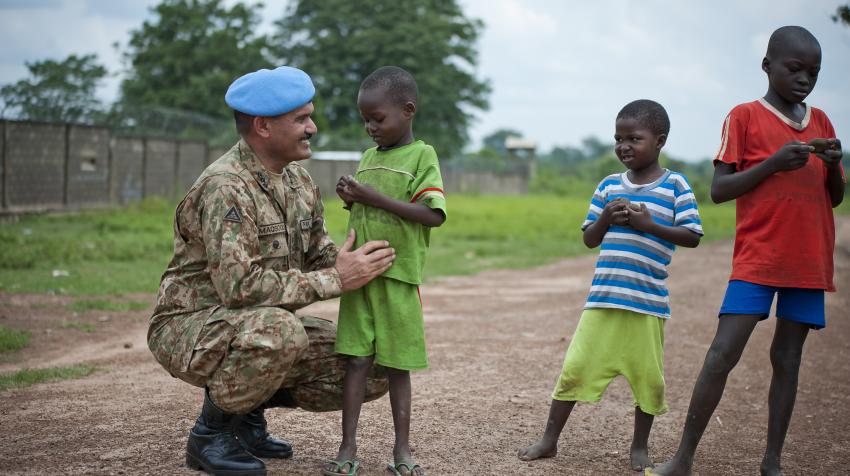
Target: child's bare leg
[
  {"x": 353, "y": 390},
  {"x": 733, "y": 331},
  {"x": 400, "y": 403},
  {"x": 547, "y": 446},
  {"x": 639, "y": 452},
  {"x": 785, "y": 354}
]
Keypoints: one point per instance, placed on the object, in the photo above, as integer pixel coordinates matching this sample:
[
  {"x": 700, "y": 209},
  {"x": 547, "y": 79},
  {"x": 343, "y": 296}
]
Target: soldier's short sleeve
[
  {"x": 236, "y": 263},
  {"x": 427, "y": 187}
]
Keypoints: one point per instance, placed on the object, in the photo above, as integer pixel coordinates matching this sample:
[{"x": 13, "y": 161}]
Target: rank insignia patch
[{"x": 233, "y": 215}]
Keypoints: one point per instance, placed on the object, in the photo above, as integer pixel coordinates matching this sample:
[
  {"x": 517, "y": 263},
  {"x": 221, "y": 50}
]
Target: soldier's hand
[{"x": 358, "y": 267}]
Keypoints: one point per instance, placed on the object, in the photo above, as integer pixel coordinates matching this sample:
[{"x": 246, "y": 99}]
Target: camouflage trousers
[{"x": 243, "y": 356}]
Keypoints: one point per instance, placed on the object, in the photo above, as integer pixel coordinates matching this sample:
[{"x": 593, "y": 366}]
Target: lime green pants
[
  {"x": 384, "y": 319},
  {"x": 612, "y": 342}
]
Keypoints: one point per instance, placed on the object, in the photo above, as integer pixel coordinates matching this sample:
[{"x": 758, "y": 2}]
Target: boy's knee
[
  {"x": 357, "y": 362},
  {"x": 785, "y": 360},
  {"x": 720, "y": 359}
]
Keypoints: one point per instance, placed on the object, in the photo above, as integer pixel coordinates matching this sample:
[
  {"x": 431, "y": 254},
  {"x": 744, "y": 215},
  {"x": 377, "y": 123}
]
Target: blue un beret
[{"x": 270, "y": 92}]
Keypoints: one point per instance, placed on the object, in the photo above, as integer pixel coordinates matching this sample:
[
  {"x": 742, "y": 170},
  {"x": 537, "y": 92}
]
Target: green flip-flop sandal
[
  {"x": 353, "y": 467},
  {"x": 411, "y": 467}
]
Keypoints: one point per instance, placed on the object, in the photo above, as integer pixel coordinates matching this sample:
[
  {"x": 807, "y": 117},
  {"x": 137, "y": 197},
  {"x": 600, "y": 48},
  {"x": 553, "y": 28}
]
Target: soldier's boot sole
[{"x": 197, "y": 465}]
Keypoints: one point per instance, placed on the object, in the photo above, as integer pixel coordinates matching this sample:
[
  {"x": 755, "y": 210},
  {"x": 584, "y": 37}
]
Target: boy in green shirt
[{"x": 396, "y": 195}]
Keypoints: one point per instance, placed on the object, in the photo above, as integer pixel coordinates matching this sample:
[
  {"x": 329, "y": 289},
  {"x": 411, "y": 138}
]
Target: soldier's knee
[{"x": 293, "y": 340}]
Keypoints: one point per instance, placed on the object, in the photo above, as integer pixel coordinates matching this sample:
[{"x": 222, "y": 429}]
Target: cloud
[{"x": 28, "y": 4}]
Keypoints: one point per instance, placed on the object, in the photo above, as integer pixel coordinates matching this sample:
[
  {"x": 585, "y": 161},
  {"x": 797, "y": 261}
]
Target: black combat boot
[
  {"x": 252, "y": 433},
  {"x": 212, "y": 446}
]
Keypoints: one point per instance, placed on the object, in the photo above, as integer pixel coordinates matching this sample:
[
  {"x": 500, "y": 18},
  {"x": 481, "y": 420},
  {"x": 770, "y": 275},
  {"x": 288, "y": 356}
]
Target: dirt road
[{"x": 496, "y": 343}]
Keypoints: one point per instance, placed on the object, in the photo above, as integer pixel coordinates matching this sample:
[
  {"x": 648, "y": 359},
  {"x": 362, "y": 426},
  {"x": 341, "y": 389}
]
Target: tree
[
  {"x": 187, "y": 56},
  {"x": 842, "y": 14},
  {"x": 57, "y": 91},
  {"x": 339, "y": 42}
]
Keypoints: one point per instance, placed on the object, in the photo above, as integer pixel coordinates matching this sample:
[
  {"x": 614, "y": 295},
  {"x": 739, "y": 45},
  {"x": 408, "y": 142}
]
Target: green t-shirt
[{"x": 410, "y": 173}]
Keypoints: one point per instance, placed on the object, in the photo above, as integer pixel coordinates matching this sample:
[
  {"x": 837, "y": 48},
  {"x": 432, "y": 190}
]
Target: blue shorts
[{"x": 805, "y": 306}]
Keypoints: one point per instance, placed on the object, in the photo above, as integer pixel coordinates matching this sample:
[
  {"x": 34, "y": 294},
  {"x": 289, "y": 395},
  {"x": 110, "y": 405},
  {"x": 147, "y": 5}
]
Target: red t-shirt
[{"x": 785, "y": 233}]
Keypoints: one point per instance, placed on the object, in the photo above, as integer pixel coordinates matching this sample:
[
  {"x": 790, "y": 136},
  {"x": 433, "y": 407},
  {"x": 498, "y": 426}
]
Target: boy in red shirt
[{"x": 780, "y": 160}]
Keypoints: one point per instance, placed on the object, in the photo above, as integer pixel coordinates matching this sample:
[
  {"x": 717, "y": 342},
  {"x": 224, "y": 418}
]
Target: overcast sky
[{"x": 560, "y": 71}]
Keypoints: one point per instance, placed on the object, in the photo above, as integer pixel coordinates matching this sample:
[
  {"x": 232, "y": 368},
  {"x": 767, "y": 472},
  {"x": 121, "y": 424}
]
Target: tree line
[{"x": 179, "y": 62}]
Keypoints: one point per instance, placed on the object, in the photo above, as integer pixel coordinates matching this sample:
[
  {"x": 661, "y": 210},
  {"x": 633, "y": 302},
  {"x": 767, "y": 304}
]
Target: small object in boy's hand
[{"x": 822, "y": 145}]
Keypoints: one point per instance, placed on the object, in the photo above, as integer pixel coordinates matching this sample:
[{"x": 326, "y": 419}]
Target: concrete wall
[
  {"x": 160, "y": 168},
  {"x": 326, "y": 173},
  {"x": 2, "y": 165},
  {"x": 87, "y": 166},
  {"x": 126, "y": 181},
  {"x": 60, "y": 166},
  {"x": 485, "y": 183},
  {"x": 63, "y": 166},
  {"x": 35, "y": 165},
  {"x": 192, "y": 159}
]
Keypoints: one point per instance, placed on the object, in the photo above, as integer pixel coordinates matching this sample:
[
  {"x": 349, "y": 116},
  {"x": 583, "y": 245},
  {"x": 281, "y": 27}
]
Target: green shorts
[
  {"x": 384, "y": 319},
  {"x": 612, "y": 342}
]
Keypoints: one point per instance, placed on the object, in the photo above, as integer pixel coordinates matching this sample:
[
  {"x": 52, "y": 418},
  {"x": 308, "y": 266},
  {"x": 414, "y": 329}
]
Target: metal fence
[{"x": 45, "y": 167}]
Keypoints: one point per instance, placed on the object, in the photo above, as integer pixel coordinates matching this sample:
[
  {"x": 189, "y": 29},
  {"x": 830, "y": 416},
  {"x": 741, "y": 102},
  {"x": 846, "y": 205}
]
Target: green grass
[
  {"x": 27, "y": 377},
  {"x": 119, "y": 251},
  {"x": 82, "y": 326},
  {"x": 12, "y": 340},
  {"x": 83, "y": 305},
  {"x": 105, "y": 252},
  {"x": 486, "y": 232}
]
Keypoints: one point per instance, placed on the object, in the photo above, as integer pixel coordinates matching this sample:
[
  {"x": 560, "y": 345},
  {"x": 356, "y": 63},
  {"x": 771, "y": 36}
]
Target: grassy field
[
  {"x": 27, "y": 377},
  {"x": 122, "y": 251}
]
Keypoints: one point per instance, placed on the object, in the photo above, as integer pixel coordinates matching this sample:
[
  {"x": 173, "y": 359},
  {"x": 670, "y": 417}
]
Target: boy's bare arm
[
  {"x": 641, "y": 219},
  {"x": 355, "y": 191},
  {"x": 834, "y": 180},
  {"x": 729, "y": 184}
]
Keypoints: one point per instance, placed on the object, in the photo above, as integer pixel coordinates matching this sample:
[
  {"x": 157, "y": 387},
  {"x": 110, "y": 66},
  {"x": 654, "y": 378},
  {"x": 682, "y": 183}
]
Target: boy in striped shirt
[{"x": 638, "y": 217}]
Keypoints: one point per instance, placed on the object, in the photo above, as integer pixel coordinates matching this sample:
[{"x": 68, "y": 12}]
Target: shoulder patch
[{"x": 233, "y": 215}]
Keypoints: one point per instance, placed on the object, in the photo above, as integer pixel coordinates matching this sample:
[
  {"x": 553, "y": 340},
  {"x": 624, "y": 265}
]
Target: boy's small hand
[
  {"x": 791, "y": 156},
  {"x": 616, "y": 212},
  {"x": 355, "y": 191},
  {"x": 639, "y": 217},
  {"x": 828, "y": 150},
  {"x": 343, "y": 193}
]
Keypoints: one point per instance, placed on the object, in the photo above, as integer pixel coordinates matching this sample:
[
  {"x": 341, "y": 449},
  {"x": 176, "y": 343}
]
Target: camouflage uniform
[{"x": 246, "y": 256}]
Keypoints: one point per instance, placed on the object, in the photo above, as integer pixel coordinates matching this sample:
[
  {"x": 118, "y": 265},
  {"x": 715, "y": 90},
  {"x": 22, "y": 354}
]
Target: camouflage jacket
[{"x": 240, "y": 242}]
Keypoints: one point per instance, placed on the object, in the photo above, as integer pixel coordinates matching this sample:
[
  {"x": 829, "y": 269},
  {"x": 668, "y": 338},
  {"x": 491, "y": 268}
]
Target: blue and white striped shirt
[{"x": 632, "y": 266}]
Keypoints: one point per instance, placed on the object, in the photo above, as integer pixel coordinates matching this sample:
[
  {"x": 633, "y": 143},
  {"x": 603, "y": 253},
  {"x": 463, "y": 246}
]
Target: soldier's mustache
[{"x": 307, "y": 136}]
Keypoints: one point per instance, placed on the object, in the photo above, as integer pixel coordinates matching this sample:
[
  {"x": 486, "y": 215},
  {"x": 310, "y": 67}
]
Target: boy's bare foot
[
  {"x": 344, "y": 462},
  {"x": 670, "y": 468},
  {"x": 770, "y": 467},
  {"x": 540, "y": 449},
  {"x": 640, "y": 458}
]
